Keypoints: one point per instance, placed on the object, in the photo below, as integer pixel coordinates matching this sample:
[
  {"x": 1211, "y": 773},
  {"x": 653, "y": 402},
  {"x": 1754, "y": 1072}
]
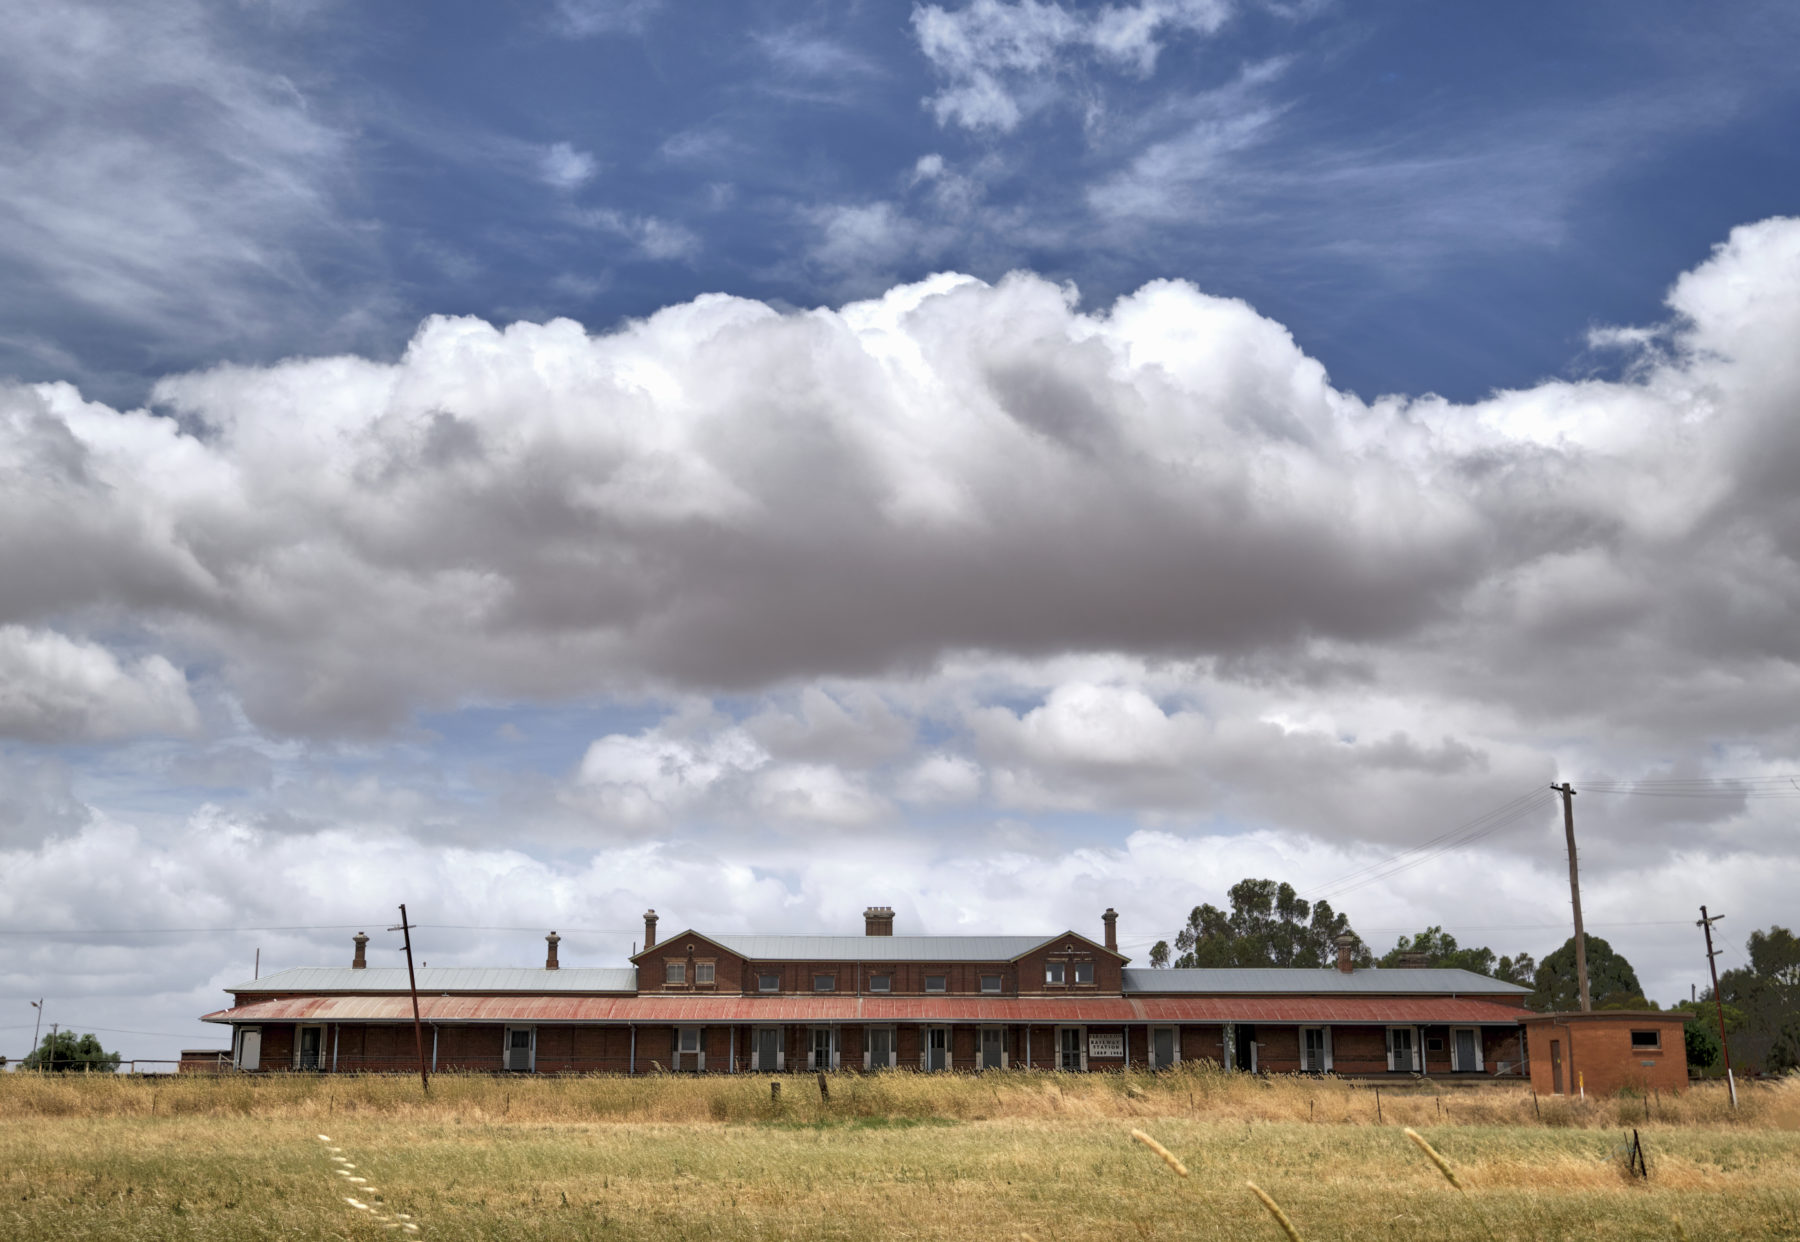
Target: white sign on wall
[{"x": 1106, "y": 1047}]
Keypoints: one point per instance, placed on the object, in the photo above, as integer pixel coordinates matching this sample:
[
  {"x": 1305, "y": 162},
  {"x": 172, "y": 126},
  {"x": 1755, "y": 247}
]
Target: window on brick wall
[
  {"x": 674, "y": 972},
  {"x": 990, "y": 983},
  {"x": 1646, "y": 1039},
  {"x": 1084, "y": 972},
  {"x": 1054, "y": 972},
  {"x": 824, "y": 983},
  {"x": 768, "y": 982},
  {"x": 935, "y": 983},
  {"x": 703, "y": 972},
  {"x": 881, "y": 983}
]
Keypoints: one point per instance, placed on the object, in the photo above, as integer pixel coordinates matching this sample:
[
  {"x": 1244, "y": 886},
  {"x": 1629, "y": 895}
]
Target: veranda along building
[{"x": 767, "y": 1003}]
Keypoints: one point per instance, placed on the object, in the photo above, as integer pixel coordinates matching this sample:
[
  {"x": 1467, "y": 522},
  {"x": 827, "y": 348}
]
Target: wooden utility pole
[
  {"x": 1581, "y": 976},
  {"x": 413, "y": 981},
  {"x": 1712, "y": 964}
]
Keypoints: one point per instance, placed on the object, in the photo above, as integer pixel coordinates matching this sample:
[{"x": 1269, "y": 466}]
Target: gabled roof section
[
  {"x": 1278, "y": 981},
  {"x": 804, "y": 948},
  {"x": 689, "y": 934},
  {"x": 437, "y": 980}
]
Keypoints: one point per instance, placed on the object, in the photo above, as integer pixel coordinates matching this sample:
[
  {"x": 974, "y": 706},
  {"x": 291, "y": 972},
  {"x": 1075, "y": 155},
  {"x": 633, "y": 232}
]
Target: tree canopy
[
  {"x": 65, "y": 1050},
  {"x": 1612, "y": 983},
  {"x": 1269, "y": 925},
  {"x": 1767, "y": 994},
  {"x": 1440, "y": 950}
]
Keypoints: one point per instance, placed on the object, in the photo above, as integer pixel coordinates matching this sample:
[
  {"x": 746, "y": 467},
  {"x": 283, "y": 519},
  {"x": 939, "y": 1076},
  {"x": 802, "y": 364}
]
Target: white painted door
[{"x": 250, "y": 1048}]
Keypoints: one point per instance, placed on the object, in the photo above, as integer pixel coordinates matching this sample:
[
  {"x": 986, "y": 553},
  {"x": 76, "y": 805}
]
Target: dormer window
[
  {"x": 674, "y": 972},
  {"x": 1053, "y": 974},
  {"x": 1084, "y": 972}
]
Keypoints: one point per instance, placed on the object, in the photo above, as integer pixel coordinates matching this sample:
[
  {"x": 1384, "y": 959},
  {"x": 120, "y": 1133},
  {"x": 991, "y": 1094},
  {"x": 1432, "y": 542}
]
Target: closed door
[
  {"x": 250, "y": 1050},
  {"x": 821, "y": 1048},
  {"x": 1400, "y": 1048},
  {"x": 881, "y": 1047},
  {"x": 1465, "y": 1051},
  {"x": 768, "y": 1046},
  {"x": 310, "y": 1039},
  {"x": 937, "y": 1048},
  {"x": 1162, "y": 1047},
  {"x": 1556, "y": 1077},
  {"x": 1070, "y": 1056},
  {"x": 518, "y": 1049},
  {"x": 991, "y": 1040}
]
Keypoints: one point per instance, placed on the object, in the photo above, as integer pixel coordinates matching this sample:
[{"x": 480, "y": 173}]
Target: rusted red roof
[{"x": 717, "y": 1010}]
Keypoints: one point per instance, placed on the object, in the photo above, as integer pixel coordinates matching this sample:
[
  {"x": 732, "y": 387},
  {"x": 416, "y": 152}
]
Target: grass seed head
[
  {"x": 1281, "y": 1217},
  {"x": 1167, "y": 1155},
  {"x": 1432, "y": 1152}
]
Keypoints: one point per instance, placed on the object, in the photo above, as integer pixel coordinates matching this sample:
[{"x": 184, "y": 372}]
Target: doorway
[
  {"x": 937, "y": 1047},
  {"x": 1069, "y": 1048},
  {"x": 1463, "y": 1045},
  {"x": 824, "y": 1044},
  {"x": 766, "y": 1049},
  {"x": 518, "y": 1048},
  {"x": 312, "y": 1039},
  {"x": 879, "y": 1042},
  {"x": 1246, "y": 1047},
  {"x": 1556, "y": 1074},
  {"x": 993, "y": 1045},
  {"x": 1162, "y": 1047}
]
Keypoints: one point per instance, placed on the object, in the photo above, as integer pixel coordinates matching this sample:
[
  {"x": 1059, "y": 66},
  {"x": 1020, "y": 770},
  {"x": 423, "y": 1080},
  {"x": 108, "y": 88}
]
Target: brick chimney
[
  {"x": 361, "y": 960},
  {"x": 649, "y": 930},
  {"x": 1346, "y": 945},
  {"x": 1111, "y": 919},
  {"x": 878, "y": 921},
  {"x": 552, "y": 940}
]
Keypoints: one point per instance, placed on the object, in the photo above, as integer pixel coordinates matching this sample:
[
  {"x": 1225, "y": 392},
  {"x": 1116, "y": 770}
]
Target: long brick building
[{"x": 767, "y": 1003}]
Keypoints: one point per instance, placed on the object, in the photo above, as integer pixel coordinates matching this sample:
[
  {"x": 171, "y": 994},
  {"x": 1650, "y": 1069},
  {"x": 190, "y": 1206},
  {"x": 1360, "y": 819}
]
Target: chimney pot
[
  {"x": 1111, "y": 919},
  {"x": 649, "y": 930},
  {"x": 552, "y": 940},
  {"x": 878, "y": 921},
  {"x": 361, "y": 960},
  {"x": 1346, "y": 945}
]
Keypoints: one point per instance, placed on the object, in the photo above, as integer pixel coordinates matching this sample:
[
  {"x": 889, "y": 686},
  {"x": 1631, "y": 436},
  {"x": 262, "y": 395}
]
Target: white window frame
[
  {"x": 780, "y": 1049},
  {"x": 999, "y": 985},
  {"x": 1325, "y": 1051},
  {"x": 1174, "y": 1041},
  {"x": 248, "y": 1053},
  {"x": 812, "y": 1034},
  {"x": 943, "y": 983},
  {"x": 506, "y": 1034},
  {"x": 705, "y": 972},
  {"x": 881, "y": 983},
  {"x": 763, "y": 976},
  {"x": 1081, "y": 1037},
  {"x": 1479, "y": 1066},
  {"x": 830, "y": 981},
  {"x": 674, "y": 972},
  {"x": 1418, "y": 1050},
  {"x": 698, "y": 1051},
  {"x": 1056, "y": 974},
  {"x": 893, "y": 1056}
]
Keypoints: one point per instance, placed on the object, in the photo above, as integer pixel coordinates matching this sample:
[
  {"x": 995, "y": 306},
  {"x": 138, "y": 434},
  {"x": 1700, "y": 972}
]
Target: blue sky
[{"x": 1000, "y": 460}]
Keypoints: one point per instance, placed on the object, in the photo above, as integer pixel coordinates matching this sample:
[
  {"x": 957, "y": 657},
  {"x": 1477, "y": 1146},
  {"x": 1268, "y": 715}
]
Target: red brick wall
[{"x": 1598, "y": 1056}]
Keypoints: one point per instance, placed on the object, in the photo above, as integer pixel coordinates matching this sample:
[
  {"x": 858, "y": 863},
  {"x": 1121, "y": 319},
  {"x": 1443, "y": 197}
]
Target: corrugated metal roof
[
  {"x": 880, "y": 948},
  {"x": 439, "y": 979},
  {"x": 705, "y": 1010},
  {"x": 1279, "y": 980}
]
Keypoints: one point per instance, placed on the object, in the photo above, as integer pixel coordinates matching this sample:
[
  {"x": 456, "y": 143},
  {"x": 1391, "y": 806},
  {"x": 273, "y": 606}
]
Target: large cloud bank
[{"x": 727, "y": 497}]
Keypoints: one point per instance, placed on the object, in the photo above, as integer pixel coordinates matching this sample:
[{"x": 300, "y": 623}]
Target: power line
[{"x": 200, "y": 931}]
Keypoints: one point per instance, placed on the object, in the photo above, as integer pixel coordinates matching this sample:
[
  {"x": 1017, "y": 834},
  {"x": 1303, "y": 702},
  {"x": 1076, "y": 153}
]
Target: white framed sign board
[{"x": 1106, "y": 1047}]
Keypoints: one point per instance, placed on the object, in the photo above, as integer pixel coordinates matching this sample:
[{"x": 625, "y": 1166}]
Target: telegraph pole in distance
[
  {"x": 1581, "y": 976},
  {"x": 413, "y": 981},
  {"x": 1712, "y": 963},
  {"x": 38, "y": 1026}
]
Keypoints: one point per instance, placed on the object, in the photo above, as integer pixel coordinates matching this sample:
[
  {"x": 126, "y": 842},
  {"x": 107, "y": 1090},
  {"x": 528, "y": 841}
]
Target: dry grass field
[{"x": 890, "y": 1156}]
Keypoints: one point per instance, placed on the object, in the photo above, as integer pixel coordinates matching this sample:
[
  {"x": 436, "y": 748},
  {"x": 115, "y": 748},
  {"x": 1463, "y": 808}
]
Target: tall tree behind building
[
  {"x": 1612, "y": 982},
  {"x": 1269, "y": 925},
  {"x": 1438, "y": 948},
  {"x": 1767, "y": 995}
]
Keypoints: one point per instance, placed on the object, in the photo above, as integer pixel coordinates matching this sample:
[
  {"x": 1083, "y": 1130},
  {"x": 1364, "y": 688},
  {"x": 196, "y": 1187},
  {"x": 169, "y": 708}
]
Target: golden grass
[{"x": 895, "y": 1156}]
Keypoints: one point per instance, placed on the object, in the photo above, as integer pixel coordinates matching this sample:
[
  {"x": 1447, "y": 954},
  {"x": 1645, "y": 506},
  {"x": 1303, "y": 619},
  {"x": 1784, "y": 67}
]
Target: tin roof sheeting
[
  {"x": 715, "y": 1010},
  {"x": 881, "y": 948},
  {"x": 1288, "y": 980},
  {"x": 440, "y": 979}
]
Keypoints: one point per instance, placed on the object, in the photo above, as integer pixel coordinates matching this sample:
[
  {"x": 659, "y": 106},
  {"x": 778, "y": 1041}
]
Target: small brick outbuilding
[{"x": 1607, "y": 1050}]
